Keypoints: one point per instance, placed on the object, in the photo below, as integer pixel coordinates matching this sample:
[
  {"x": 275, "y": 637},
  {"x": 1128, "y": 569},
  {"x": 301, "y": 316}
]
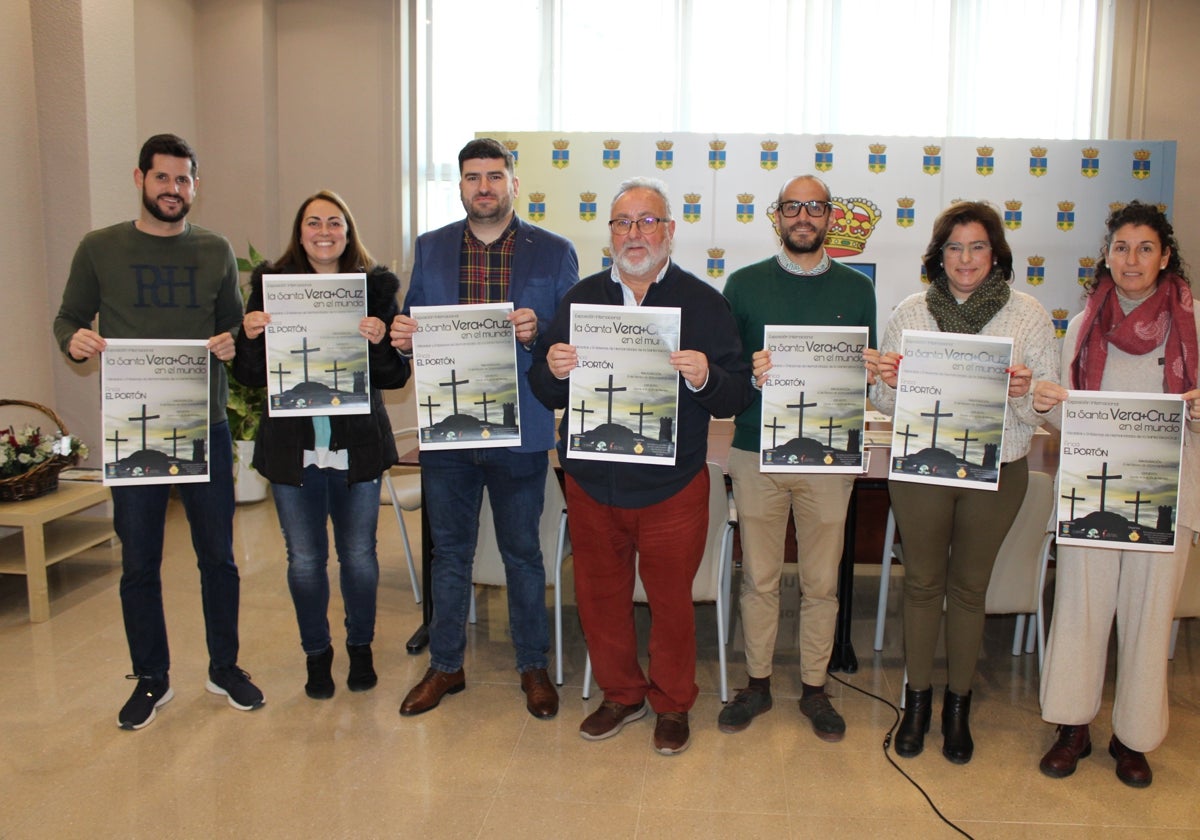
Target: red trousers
[{"x": 663, "y": 543}]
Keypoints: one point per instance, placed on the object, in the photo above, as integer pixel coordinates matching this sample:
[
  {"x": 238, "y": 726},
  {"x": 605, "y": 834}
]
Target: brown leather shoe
[
  {"x": 540, "y": 697},
  {"x": 435, "y": 685},
  {"x": 671, "y": 734},
  {"x": 1132, "y": 768},
  {"x": 1074, "y": 743},
  {"x": 609, "y": 718}
]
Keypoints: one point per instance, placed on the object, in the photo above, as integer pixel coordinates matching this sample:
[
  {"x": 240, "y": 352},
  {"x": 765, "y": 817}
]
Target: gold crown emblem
[
  {"x": 1115, "y": 206},
  {"x": 607, "y": 251},
  {"x": 716, "y": 253},
  {"x": 877, "y": 148},
  {"x": 1066, "y": 206},
  {"x": 716, "y": 145},
  {"x": 537, "y": 197},
  {"x": 665, "y": 145},
  {"x": 933, "y": 150},
  {"x": 587, "y": 197},
  {"x": 906, "y": 202},
  {"x": 984, "y": 151},
  {"x": 1141, "y": 154},
  {"x": 612, "y": 144},
  {"x": 560, "y": 144},
  {"x": 1060, "y": 313},
  {"x": 1037, "y": 261},
  {"x": 1091, "y": 153},
  {"x": 824, "y": 148},
  {"x": 691, "y": 198},
  {"x": 769, "y": 145},
  {"x": 1162, "y": 207},
  {"x": 1087, "y": 262},
  {"x": 1012, "y": 204},
  {"x": 853, "y": 222},
  {"x": 745, "y": 198},
  {"x": 1037, "y": 151},
  {"x": 511, "y": 145}
]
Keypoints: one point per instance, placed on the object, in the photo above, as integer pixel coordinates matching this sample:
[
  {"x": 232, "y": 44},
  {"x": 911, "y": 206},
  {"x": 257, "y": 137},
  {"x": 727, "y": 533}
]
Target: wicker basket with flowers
[{"x": 30, "y": 459}]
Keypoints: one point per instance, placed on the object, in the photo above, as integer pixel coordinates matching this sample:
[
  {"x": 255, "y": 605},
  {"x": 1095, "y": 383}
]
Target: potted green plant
[{"x": 244, "y": 410}]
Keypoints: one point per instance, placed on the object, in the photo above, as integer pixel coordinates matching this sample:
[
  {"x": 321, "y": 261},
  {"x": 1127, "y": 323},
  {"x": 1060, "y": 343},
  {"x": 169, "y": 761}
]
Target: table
[{"x": 51, "y": 531}]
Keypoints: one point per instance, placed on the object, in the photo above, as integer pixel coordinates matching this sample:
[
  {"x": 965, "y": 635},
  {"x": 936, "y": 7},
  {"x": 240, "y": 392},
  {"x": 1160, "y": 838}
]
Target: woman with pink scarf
[{"x": 1138, "y": 332}]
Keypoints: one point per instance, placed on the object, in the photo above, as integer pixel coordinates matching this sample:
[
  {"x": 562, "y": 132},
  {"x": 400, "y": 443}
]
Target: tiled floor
[{"x": 479, "y": 765}]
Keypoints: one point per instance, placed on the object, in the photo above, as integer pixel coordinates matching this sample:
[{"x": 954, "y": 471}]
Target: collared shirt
[
  {"x": 484, "y": 270},
  {"x": 785, "y": 262},
  {"x": 627, "y": 295},
  {"x": 629, "y": 299}
]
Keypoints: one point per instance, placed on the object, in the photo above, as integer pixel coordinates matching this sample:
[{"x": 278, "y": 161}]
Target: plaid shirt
[{"x": 484, "y": 270}]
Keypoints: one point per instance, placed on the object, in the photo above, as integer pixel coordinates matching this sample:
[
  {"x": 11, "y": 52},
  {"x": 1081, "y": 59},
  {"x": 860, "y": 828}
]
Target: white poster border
[
  {"x": 961, "y": 374},
  {"x": 165, "y": 381},
  {"x": 1084, "y": 439},
  {"x": 483, "y": 350},
  {"x": 808, "y": 358}
]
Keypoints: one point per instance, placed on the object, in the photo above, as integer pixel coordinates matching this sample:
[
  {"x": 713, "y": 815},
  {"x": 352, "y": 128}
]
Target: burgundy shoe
[
  {"x": 540, "y": 697},
  {"x": 1074, "y": 743},
  {"x": 609, "y": 718},
  {"x": 672, "y": 734},
  {"x": 435, "y": 685},
  {"x": 1132, "y": 768}
]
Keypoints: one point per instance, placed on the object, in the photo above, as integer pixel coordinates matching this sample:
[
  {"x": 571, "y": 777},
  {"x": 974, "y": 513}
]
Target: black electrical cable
[{"x": 887, "y": 743}]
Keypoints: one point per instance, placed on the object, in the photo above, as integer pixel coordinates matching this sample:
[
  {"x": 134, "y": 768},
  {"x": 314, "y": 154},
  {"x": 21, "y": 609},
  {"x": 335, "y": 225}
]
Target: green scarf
[{"x": 972, "y": 314}]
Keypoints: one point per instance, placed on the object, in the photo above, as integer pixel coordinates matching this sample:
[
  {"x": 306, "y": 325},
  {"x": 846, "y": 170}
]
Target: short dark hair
[
  {"x": 170, "y": 145},
  {"x": 964, "y": 213},
  {"x": 1137, "y": 213},
  {"x": 485, "y": 148}
]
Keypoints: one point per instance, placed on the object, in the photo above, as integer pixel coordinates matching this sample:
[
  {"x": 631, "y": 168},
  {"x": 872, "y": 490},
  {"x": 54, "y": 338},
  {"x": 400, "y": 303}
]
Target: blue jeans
[
  {"x": 139, "y": 518},
  {"x": 303, "y": 511},
  {"x": 453, "y": 482}
]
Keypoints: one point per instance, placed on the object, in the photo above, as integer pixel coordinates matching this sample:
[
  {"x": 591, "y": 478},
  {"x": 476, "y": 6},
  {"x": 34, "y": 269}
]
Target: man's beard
[
  {"x": 501, "y": 210},
  {"x": 796, "y": 246},
  {"x": 154, "y": 210}
]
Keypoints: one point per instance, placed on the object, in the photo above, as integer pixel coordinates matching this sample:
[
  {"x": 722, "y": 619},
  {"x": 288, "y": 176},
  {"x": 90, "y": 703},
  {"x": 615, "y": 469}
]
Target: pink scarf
[{"x": 1164, "y": 317}]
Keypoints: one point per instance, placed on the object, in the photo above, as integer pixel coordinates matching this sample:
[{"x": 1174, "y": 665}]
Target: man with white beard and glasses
[{"x": 658, "y": 514}]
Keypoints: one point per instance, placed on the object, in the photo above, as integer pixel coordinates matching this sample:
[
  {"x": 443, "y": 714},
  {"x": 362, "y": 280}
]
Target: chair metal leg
[
  {"x": 408, "y": 555},
  {"x": 587, "y": 678},
  {"x": 558, "y": 619},
  {"x": 885, "y": 578},
  {"x": 1018, "y": 635}
]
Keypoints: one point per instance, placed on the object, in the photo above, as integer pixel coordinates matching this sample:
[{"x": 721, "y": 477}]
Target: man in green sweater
[
  {"x": 799, "y": 286},
  {"x": 160, "y": 277}
]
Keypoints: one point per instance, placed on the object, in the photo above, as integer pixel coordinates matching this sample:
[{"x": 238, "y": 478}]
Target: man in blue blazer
[{"x": 489, "y": 257}]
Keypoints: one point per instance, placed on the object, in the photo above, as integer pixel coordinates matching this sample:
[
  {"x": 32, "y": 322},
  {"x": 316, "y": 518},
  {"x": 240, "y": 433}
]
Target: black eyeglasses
[
  {"x": 791, "y": 209},
  {"x": 647, "y": 225}
]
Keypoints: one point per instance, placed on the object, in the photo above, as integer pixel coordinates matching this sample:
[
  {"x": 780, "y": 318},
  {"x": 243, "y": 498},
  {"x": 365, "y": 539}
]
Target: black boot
[
  {"x": 956, "y": 727},
  {"x": 918, "y": 707},
  {"x": 362, "y": 668},
  {"x": 320, "y": 679}
]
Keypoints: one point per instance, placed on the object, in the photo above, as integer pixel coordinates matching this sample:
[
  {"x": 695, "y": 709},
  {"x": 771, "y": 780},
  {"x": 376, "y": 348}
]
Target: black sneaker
[
  {"x": 235, "y": 684},
  {"x": 150, "y": 693},
  {"x": 826, "y": 722},
  {"x": 747, "y": 705}
]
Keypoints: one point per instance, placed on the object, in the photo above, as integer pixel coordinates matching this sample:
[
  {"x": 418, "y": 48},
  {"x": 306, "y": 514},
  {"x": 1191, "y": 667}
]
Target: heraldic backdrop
[{"x": 1054, "y": 196}]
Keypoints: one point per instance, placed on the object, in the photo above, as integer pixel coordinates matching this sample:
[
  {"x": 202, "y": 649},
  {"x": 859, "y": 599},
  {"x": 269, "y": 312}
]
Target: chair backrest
[
  {"x": 1188, "y": 605},
  {"x": 707, "y": 581},
  {"x": 489, "y": 567},
  {"x": 1016, "y": 581}
]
